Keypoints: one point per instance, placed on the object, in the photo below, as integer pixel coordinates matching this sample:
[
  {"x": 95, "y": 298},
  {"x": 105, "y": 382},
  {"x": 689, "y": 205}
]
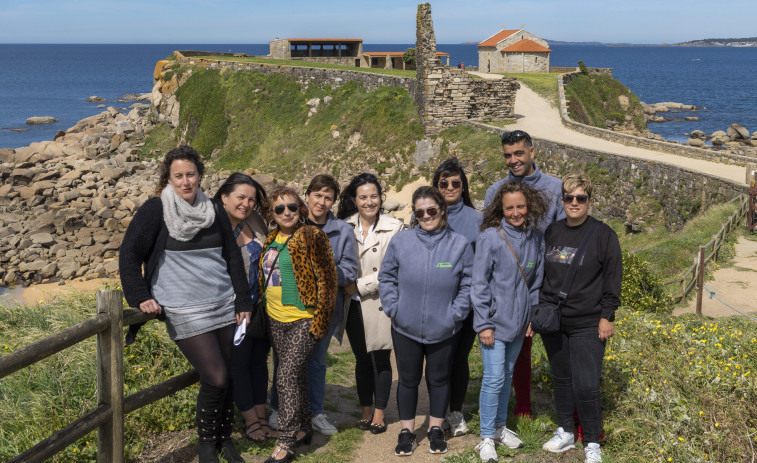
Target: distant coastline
[{"x": 739, "y": 43}]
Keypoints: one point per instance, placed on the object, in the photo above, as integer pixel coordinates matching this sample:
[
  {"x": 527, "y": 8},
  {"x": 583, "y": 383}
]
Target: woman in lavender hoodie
[
  {"x": 424, "y": 285},
  {"x": 507, "y": 276}
]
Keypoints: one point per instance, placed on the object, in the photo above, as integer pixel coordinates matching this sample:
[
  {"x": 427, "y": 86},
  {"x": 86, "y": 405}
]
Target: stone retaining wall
[
  {"x": 675, "y": 188},
  {"x": 333, "y": 77},
  {"x": 640, "y": 142},
  {"x": 564, "y": 69}
]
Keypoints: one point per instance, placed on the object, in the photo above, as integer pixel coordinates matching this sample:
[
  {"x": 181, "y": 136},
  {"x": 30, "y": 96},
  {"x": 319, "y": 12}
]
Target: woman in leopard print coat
[{"x": 299, "y": 276}]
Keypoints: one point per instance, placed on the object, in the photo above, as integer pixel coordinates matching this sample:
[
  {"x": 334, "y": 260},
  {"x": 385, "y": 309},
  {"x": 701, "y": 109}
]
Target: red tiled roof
[
  {"x": 396, "y": 53},
  {"x": 526, "y": 45},
  {"x": 496, "y": 38}
]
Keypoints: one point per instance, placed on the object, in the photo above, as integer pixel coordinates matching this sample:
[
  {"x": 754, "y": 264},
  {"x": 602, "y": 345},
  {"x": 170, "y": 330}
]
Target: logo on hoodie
[{"x": 443, "y": 265}]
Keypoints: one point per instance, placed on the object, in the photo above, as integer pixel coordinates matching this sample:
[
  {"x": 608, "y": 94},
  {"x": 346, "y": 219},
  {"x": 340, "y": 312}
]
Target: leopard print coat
[{"x": 315, "y": 272}]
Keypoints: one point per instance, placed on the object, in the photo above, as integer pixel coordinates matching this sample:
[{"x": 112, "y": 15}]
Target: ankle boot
[
  {"x": 224, "y": 445},
  {"x": 208, "y": 416}
]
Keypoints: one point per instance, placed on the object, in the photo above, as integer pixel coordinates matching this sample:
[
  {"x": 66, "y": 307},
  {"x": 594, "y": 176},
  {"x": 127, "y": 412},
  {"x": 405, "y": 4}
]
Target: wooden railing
[
  {"x": 709, "y": 252},
  {"x": 108, "y": 417}
]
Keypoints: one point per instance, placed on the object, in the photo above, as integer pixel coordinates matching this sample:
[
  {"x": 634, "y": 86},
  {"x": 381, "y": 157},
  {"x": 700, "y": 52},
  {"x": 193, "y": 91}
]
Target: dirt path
[
  {"x": 735, "y": 285},
  {"x": 536, "y": 116}
]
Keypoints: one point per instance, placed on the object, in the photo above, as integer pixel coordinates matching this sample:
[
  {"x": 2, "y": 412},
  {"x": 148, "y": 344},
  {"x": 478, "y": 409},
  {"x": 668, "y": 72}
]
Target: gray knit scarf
[{"x": 182, "y": 219}]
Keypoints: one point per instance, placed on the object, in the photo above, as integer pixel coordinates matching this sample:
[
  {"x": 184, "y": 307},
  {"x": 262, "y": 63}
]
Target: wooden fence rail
[
  {"x": 108, "y": 417},
  {"x": 688, "y": 279}
]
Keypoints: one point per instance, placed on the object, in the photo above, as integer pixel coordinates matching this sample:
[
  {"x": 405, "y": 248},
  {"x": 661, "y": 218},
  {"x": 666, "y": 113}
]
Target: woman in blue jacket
[
  {"x": 424, "y": 285},
  {"x": 507, "y": 276}
]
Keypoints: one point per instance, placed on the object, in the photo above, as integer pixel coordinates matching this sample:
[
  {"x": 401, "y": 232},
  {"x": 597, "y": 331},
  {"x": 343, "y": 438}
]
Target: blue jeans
[
  {"x": 317, "y": 373},
  {"x": 499, "y": 362}
]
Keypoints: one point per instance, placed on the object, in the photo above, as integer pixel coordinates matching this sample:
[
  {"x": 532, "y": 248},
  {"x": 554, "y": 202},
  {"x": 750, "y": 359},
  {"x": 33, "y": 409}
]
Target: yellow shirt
[{"x": 277, "y": 310}]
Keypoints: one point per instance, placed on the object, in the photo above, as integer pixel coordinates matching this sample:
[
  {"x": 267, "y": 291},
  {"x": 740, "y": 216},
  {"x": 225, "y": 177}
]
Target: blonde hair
[{"x": 576, "y": 180}]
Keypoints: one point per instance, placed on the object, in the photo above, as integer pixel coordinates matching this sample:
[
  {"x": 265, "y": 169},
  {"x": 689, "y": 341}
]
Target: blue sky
[{"x": 384, "y": 21}]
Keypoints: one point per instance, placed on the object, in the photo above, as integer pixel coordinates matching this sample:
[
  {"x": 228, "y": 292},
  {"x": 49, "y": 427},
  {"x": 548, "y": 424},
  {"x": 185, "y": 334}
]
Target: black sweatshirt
[{"x": 595, "y": 292}]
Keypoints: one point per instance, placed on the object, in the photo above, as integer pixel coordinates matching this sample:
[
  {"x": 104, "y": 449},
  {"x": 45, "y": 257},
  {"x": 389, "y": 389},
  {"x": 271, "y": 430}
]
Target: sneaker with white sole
[
  {"x": 456, "y": 422},
  {"x": 487, "y": 451},
  {"x": 322, "y": 425},
  {"x": 406, "y": 443},
  {"x": 436, "y": 442},
  {"x": 593, "y": 453},
  {"x": 561, "y": 442},
  {"x": 273, "y": 420},
  {"x": 508, "y": 438}
]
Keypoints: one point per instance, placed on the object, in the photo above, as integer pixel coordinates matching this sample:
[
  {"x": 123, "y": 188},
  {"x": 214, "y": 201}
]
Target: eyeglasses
[
  {"x": 431, "y": 211},
  {"x": 444, "y": 184},
  {"x": 580, "y": 199},
  {"x": 511, "y": 138},
  {"x": 293, "y": 207}
]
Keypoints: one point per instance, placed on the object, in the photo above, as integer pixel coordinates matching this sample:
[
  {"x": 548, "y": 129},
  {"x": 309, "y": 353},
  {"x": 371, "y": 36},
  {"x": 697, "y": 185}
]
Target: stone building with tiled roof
[{"x": 513, "y": 51}]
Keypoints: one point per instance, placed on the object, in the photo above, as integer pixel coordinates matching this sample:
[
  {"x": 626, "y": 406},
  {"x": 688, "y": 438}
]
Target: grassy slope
[{"x": 594, "y": 99}]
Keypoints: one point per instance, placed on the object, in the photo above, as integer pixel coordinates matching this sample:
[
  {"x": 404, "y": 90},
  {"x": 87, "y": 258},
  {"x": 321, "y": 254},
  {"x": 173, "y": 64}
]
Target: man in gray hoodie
[{"x": 518, "y": 149}]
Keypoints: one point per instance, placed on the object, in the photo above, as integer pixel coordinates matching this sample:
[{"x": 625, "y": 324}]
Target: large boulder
[
  {"x": 737, "y": 132},
  {"x": 41, "y": 120},
  {"x": 695, "y": 142}
]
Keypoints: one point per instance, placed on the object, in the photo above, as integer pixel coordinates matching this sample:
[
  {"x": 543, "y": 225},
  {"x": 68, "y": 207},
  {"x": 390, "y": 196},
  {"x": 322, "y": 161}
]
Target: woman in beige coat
[{"x": 367, "y": 327}]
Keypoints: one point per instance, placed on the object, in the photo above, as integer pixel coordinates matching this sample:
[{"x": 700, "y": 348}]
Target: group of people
[{"x": 299, "y": 274}]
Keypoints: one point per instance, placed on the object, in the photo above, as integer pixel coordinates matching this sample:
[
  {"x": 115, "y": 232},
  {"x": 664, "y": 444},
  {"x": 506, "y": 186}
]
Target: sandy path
[
  {"x": 735, "y": 285},
  {"x": 46, "y": 292},
  {"x": 537, "y": 117}
]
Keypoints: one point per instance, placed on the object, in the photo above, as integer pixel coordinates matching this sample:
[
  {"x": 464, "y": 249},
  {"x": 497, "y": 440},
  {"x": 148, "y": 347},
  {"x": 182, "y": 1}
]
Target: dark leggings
[
  {"x": 409, "y": 355},
  {"x": 373, "y": 370},
  {"x": 210, "y": 354},
  {"x": 575, "y": 356},
  {"x": 460, "y": 372},
  {"x": 249, "y": 372}
]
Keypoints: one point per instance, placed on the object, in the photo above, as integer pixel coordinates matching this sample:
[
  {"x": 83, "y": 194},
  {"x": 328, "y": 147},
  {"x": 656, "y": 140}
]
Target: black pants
[
  {"x": 575, "y": 355},
  {"x": 460, "y": 372},
  {"x": 373, "y": 370},
  {"x": 249, "y": 372},
  {"x": 409, "y": 355}
]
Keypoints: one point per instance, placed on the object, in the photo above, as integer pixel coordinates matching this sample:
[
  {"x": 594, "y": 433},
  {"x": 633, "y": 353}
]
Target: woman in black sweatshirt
[{"x": 586, "y": 317}]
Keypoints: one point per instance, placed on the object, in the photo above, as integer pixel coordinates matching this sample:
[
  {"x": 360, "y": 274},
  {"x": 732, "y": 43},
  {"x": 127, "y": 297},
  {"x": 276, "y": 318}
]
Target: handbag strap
[
  {"x": 274, "y": 262},
  {"x": 562, "y": 296},
  {"x": 525, "y": 280}
]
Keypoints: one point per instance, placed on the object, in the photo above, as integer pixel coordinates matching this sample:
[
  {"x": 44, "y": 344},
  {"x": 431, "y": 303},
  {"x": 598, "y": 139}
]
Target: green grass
[
  {"x": 594, "y": 99},
  {"x": 309, "y": 64},
  {"x": 544, "y": 84},
  {"x": 160, "y": 140},
  {"x": 39, "y": 400}
]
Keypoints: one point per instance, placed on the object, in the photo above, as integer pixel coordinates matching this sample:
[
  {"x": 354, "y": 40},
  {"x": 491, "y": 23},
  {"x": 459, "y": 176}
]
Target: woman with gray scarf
[{"x": 194, "y": 278}]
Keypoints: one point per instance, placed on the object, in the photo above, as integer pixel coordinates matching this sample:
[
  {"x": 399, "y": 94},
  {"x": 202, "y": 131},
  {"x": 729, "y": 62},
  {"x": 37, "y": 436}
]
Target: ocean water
[{"x": 54, "y": 80}]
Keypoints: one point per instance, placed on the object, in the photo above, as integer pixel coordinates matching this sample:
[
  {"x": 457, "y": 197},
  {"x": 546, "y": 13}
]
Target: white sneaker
[
  {"x": 561, "y": 442},
  {"x": 322, "y": 425},
  {"x": 273, "y": 420},
  {"x": 486, "y": 450},
  {"x": 509, "y": 438},
  {"x": 593, "y": 453},
  {"x": 457, "y": 426}
]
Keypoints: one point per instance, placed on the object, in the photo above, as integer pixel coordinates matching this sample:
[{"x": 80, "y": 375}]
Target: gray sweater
[
  {"x": 500, "y": 297},
  {"x": 424, "y": 283}
]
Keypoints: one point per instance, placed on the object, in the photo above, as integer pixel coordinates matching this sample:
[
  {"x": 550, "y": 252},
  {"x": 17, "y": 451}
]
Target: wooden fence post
[
  {"x": 700, "y": 281},
  {"x": 110, "y": 381}
]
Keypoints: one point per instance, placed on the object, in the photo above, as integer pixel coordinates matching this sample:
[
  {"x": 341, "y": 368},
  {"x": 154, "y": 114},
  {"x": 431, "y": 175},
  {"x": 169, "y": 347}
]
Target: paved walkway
[{"x": 537, "y": 117}]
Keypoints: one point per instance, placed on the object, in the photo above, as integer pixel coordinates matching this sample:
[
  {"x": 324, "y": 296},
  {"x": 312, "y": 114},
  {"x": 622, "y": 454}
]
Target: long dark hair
[
  {"x": 449, "y": 168},
  {"x": 240, "y": 178},
  {"x": 433, "y": 193},
  {"x": 347, "y": 206},
  {"x": 535, "y": 202},
  {"x": 184, "y": 152}
]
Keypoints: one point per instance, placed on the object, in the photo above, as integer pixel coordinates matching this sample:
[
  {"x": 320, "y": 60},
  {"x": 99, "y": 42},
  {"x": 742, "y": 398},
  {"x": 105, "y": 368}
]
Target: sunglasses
[
  {"x": 293, "y": 207},
  {"x": 444, "y": 184},
  {"x": 431, "y": 211},
  {"x": 511, "y": 138},
  {"x": 580, "y": 199}
]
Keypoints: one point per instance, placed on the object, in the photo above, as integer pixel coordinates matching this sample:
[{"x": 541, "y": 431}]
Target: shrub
[
  {"x": 584, "y": 69},
  {"x": 642, "y": 290}
]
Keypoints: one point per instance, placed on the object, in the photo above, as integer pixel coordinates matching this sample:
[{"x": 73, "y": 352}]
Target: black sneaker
[
  {"x": 436, "y": 442},
  {"x": 405, "y": 443}
]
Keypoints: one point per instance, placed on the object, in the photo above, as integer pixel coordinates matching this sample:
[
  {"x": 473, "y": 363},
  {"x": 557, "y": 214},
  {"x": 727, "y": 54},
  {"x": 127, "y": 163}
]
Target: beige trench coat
[{"x": 376, "y": 324}]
